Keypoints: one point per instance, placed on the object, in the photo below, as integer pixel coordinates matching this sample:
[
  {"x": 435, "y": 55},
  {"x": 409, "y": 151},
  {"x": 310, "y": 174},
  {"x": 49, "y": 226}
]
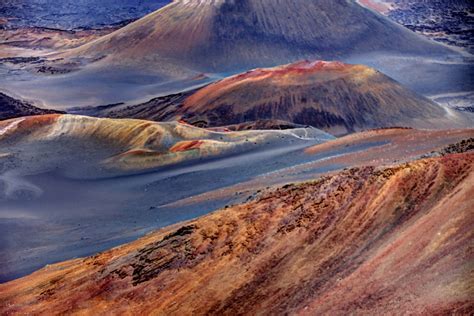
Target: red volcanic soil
[
  {"x": 394, "y": 143},
  {"x": 186, "y": 145},
  {"x": 301, "y": 67},
  {"x": 392, "y": 240},
  {"x": 28, "y": 124},
  {"x": 297, "y": 69}
]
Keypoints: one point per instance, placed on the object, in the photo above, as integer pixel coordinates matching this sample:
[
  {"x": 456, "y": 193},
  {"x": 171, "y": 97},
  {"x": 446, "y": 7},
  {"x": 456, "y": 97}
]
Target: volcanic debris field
[{"x": 236, "y": 157}]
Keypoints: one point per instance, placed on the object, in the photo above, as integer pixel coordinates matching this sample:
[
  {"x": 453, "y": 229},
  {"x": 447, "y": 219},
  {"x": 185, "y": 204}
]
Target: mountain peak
[{"x": 228, "y": 35}]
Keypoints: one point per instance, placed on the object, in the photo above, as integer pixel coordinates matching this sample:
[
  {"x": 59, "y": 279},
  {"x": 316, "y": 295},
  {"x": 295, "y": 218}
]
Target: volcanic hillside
[
  {"x": 336, "y": 97},
  {"x": 228, "y": 35},
  {"x": 368, "y": 240},
  {"x": 86, "y": 147}
]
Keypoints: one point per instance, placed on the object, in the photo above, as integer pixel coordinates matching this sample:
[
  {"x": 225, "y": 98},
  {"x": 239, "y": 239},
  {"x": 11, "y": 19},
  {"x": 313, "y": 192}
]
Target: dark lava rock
[{"x": 11, "y": 108}]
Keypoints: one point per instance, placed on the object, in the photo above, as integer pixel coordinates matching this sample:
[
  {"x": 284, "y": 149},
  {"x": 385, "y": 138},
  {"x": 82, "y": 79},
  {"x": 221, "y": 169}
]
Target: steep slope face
[
  {"x": 364, "y": 241},
  {"x": 336, "y": 97},
  {"x": 226, "y": 35},
  {"x": 91, "y": 147},
  {"x": 11, "y": 108}
]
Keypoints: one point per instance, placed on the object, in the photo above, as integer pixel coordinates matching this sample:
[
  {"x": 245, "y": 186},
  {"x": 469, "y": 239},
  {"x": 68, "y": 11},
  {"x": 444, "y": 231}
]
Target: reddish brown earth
[
  {"x": 186, "y": 145},
  {"x": 391, "y": 240}
]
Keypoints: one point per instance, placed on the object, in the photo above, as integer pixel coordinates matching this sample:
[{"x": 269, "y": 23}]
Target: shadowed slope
[{"x": 367, "y": 240}]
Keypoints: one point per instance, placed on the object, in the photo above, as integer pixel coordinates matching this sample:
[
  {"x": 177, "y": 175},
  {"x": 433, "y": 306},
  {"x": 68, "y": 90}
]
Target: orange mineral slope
[{"x": 368, "y": 240}]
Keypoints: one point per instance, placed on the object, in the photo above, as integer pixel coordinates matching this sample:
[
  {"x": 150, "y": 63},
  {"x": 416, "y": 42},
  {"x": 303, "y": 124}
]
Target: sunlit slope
[{"x": 364, "y": 241}]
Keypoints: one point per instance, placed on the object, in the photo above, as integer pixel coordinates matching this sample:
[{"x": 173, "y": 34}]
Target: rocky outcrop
[{"x": 11, "y": 108}]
